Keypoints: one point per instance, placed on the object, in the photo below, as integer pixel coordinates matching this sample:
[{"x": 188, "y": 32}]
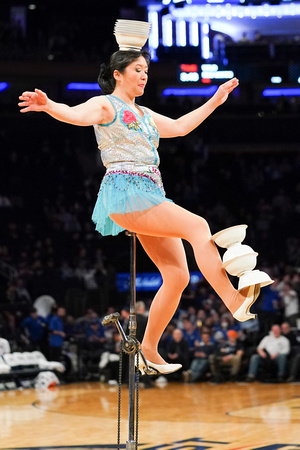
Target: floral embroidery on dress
[{"x": 129, "y": 119}]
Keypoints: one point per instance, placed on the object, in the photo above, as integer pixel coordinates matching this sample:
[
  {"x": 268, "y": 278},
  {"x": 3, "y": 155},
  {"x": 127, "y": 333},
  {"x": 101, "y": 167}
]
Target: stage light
[
  {"x": 83, "y": 87},
  {"x": 154, "y": 33},
  {"x": 167, "y": 29},
  {"x": 194, "y": 34},
  {"x": 200, "y": 91},
  {"x": 188, "y": 73},
  {"x": 212, "y": 67},
  {"x": 180, "y": 33},
  {"x": 276, "y": 80},
  {"x": 220, "y": 75},
  {"x": 286, "y": 92},
  {"x": 3, "y": 86},
  {"x": 189, "y": 67},
  {"x": 187, "y": 77},
  {"x": 205, "y": 44}
]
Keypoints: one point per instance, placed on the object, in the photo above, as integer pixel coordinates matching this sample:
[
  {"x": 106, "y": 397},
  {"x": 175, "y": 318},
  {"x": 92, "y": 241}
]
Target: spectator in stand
[
  {"x": 224, "y": 326},
  {"x": 52, "y": 313},
  {"x": 166, "y": 338},
  {"x": 191, "y": 334},
  {"x": 290, "y": 302},
  {"x": 109, "y": 361},
  {"x": 294, "y": 371},
  {"x": 192, "y": 314},
  {"x": 201, "y": 317},
  {"x": 216, "y": 321},
  {"x": 200, "y": 362},
  {"x": 95, "y": 335},
  {"x": 178, "y": 350},
  {"x": 34, "y": 328},
  {"x": 209, "y": 304},
  {"x": 57, "y": 334},
  {"x": 187, "y": 297},
  {"x": 19, "y": 296},
  {"x": 272, "y": 348},
  {"x": 82, "y": 323},
  {"x": 229, "y": 354},
  {"x": 290, "y": 334},
  {"x": 294, "y": 360},
  {"x": 141, "y": 319},
  {"x": 270, "y": 307},
  {"x": 12, "y": 331},
  {"x": 94, "y": 346}
]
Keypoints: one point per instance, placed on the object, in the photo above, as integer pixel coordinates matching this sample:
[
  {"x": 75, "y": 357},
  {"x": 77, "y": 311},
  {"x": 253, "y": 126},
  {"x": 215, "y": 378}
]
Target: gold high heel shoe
[{"x": 243, "y": 312}]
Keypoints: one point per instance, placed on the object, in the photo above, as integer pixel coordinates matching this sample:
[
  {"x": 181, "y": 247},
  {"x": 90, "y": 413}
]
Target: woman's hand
[
  {"x": 224, "y": 90},
  {"x": 33, "y": 101}
]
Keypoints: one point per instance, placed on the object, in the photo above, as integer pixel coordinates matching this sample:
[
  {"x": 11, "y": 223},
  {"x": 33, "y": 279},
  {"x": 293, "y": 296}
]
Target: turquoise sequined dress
[{"x": 132, "y": 182}]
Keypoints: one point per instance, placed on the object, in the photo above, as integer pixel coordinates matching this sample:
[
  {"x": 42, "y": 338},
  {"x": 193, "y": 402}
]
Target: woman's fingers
[
  {"x": 23, "y": 104},
  {"x": 32, "y": 101},
  {"x": 27, "y": 94},
  {"x": 231, "y": 84}
]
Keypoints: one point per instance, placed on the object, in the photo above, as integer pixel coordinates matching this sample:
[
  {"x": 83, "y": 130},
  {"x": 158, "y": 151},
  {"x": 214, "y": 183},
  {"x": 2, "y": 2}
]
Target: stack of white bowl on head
[{"x": 131, "y": 34}]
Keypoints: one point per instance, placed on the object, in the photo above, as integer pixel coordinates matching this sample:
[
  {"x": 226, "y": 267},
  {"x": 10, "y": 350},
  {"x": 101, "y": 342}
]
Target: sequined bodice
[{"x": 128, "y": 138}]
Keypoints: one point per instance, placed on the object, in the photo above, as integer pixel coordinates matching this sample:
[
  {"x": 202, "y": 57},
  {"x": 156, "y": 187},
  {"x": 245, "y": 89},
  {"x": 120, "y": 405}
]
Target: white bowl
[
  {"x": 133, "y": 23},
  {"x": 236, "y": 250},
  {"x": 132, "y": 27},
  {"x": 229, "y": 236},
  {"x": 254, "y": 277},
  {"x": 241, "y": 264},
  {"x": 132, "y": 32},
  {"x": 127, "y": 42}
]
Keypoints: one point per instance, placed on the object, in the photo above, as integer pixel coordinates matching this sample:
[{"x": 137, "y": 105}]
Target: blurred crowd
[
  {"x": 48, "y": 247},
  {"x": 202, "y": 336}
]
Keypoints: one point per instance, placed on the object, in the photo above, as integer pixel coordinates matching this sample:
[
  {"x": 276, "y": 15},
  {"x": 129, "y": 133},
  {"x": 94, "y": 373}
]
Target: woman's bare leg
[
  {"x": 170, "y": 220},
  {"x": 169, "y": 256}
]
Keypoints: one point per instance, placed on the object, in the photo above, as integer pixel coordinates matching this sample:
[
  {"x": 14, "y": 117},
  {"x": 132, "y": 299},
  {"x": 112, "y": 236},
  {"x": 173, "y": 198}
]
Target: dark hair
[{"x": 118, "y": 61}]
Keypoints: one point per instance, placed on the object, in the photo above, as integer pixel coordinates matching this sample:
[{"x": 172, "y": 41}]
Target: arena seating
[{"x": 20, "y": 369}]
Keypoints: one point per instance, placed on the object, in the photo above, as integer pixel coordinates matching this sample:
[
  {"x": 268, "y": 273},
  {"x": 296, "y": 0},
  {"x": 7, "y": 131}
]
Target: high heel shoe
[
  {"x": 156, "y": 369},
  {"x": 243, "y": 312}
]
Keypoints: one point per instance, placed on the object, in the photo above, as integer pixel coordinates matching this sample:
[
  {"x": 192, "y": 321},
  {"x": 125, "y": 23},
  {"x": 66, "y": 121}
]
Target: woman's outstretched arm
[
  {"x": 93, "y": 111},
  {"x": 185, "y": 124}
]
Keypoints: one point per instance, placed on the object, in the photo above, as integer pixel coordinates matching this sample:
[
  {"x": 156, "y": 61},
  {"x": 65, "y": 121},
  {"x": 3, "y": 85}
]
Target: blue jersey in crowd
[
  {"x": 56, "y": 324},
  {"x": 34, "y": 327}
]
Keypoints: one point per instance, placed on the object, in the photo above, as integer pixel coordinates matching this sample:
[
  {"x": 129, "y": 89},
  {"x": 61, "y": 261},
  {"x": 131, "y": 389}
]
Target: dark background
[{"x": 240, "y": 166}]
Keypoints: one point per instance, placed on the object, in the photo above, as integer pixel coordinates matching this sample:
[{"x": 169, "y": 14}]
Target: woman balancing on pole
[{"x": 132, "y": 196}]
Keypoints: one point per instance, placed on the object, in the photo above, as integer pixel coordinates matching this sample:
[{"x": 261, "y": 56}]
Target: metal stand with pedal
[{"x": 131, "y": 346}]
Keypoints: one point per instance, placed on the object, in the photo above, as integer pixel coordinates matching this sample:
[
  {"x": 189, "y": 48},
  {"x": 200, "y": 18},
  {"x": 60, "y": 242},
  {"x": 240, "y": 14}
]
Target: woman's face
[{"x": 134, "y": 78}]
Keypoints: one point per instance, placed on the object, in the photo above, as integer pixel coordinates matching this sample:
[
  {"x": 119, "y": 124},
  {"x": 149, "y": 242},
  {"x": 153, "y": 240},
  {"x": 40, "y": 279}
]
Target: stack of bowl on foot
[{"x": 240, "y": 259}]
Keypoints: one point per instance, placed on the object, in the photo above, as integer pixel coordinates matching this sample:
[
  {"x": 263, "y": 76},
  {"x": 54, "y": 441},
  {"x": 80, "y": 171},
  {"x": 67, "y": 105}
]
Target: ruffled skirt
[{"x": 126, "y": 191}]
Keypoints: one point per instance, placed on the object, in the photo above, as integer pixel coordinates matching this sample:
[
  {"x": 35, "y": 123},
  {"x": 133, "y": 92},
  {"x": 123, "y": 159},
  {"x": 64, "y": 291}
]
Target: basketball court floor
[{"x": 173, "y": 416}]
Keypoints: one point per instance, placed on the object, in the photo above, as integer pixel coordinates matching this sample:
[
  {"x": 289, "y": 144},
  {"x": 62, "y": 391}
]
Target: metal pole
[
  {"x": 132, "y": 347},
  {"x": 131, "y": 443}
]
